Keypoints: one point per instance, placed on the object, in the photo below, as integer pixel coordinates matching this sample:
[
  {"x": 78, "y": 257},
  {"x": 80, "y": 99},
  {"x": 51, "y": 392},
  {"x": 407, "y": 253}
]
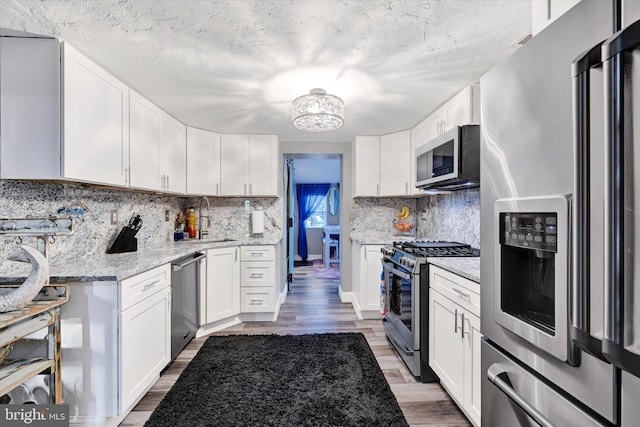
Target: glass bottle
[{"x": 192, "y": 223}]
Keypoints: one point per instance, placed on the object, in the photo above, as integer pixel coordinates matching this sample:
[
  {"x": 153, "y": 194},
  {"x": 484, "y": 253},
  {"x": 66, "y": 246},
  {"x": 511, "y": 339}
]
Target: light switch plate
[{"x": 114, "y": 217}]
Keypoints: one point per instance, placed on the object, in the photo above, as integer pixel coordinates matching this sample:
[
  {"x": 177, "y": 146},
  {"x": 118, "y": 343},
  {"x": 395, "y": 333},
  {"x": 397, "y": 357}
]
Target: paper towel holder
[{"x": 257, "y": 223}]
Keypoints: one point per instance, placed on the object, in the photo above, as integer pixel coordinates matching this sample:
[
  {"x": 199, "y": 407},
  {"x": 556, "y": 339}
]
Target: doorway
[{"x": 316, "y": 180}]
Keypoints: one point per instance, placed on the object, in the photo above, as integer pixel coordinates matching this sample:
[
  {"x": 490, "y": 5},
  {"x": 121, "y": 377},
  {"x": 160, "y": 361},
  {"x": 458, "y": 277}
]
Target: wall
[
  {"x": 454, "y": 217},
  {"x": 94, "y": 233}
]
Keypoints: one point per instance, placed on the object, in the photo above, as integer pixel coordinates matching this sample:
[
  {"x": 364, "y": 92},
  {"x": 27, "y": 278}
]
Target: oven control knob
[{"x": 411, "y": 263}]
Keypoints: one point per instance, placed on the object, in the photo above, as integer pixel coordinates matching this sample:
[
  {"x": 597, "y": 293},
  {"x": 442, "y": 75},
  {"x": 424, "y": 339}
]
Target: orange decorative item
[{"x": 192, "y": 223}]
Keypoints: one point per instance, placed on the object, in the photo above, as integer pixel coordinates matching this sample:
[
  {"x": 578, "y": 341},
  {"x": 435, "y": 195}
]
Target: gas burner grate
[{"x": 437, "y": 249}]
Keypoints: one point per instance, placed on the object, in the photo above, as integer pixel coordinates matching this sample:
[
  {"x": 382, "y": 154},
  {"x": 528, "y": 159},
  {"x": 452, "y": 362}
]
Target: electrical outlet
[
  {"x": 424, "y": 214},
  {"x": 166, "y": 215},
  {"x": 114, "y": 217},
  {"x": 247, "y": 206}
]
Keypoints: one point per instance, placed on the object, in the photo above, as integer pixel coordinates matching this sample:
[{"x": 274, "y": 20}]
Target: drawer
[
  {"x": 460, "y": 290},
  {"x": 256, "y": 300},
  {"x": 257, "y": 253},
  {"x": 143, "y": 285},
  {"x": 257, "y": 273}
]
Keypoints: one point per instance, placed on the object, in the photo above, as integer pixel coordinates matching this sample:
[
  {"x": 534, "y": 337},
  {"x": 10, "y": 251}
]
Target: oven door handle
[
  {"x": 407, "y": 350},
  {"x": 498, "y": 376},
  {"x": 398, "y": 273}
]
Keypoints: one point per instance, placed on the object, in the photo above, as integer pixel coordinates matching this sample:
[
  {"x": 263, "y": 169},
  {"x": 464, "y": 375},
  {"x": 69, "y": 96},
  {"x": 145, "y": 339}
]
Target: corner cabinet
[
  {"x": 203, "y": 162},
  {"x": 366, "y": 166},
  {"x": 222, "y": 293},
  {"x": 366, "y": 273},
  {"x": 248, "y": 165},
  {"x": 454, "y": 338}
]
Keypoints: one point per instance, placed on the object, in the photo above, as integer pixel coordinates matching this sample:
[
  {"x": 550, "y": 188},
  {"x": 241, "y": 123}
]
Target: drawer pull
[
  {"x": 256, "y": 275},
  {"x": 256, "y": 302},
  {"x": 462, "y": 294},
  {"x": 150, "y": 285},
  {"x": 257, "y": 253}
]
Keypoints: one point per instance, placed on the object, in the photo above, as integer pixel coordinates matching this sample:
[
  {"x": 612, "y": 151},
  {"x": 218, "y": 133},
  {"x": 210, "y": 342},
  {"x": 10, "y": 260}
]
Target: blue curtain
[{"x": 309, "y": 198}]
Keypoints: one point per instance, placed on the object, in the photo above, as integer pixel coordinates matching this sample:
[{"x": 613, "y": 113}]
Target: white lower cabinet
[
  {"x": 145, "y": 344},
  {"x": 116, "y": 339},
  {"x": 454, "y": 338},
  {"x": 257, "y": 281},
  {"x": 222, "y": 293},
  {"x": 367, "y": 268}
]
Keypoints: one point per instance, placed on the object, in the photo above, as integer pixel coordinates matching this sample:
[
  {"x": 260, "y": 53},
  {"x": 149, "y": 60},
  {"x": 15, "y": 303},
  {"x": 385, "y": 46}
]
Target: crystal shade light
[{"x": 317, "y": 112}]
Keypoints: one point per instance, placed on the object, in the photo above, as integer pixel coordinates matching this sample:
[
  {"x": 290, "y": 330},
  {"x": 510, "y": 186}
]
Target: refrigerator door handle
[
  {"x": 581, "y": 335},
  {"x": 498, "y": 376},
  {"x": 620, "y": 326}
]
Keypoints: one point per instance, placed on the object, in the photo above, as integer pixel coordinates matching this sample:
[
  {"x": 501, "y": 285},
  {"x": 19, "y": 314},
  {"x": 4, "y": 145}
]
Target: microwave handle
[{"x": 581, "y": 335}]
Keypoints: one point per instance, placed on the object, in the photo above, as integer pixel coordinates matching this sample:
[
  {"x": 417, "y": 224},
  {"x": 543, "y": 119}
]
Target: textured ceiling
[{"x": 234, "y": 66}]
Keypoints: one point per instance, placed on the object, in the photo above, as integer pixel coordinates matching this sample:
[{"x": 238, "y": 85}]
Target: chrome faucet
[{"x": 203, "y": 230}]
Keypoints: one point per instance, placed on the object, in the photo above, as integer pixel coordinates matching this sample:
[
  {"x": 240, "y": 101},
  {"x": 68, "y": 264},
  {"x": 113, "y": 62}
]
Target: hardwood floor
[{"x": 313, "y": 306}]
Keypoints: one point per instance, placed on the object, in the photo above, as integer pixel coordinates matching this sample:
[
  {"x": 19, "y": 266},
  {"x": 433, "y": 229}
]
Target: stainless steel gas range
[{"x": 406, "y": 313}]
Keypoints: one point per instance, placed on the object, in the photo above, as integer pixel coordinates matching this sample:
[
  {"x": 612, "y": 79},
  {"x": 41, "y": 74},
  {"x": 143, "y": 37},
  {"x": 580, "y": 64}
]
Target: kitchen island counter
[
  {"x": 467, "y": 267},
  {"x": 116, "y": 267}
]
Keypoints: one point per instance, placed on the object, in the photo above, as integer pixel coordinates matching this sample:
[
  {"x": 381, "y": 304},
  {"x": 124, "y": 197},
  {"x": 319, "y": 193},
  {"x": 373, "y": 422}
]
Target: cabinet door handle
[
  {"x": 462, "y": 294},
  {"x": 245, "y": 188},
  {"x": 217, "y": 187},
  {"x": 455, "y": 323},
  {"x": 236, "y": 255},
  {"x": 406, "y": 188},
  {"x": 150, "y": 285},
  {"x": 251, "y": 188},
  {"x": 167, "y": 182},
  {"x": 462, "y": 324},
  {"x": 377, "y": 189}
]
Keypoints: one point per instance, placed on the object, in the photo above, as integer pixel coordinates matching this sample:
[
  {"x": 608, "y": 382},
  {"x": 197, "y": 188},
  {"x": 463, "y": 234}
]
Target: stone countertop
[
  {"x": 373, "y": 238},
  {"x": 467, "y": 267},
  {"x": 115, "y": 267}
]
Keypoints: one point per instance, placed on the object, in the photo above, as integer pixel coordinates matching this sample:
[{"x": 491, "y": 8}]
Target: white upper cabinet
[
  {"x": 248, "y": 165},
  {"x": 381, "y": 165},
  {"x": 395, "y": 161},
  {"x": 461, "y": 109},
  {"x": 366, "y": 166},
  {"x": 173, "y": 155},
  {"x": 96, "y": 122},
  {"x": 203, "y": 162},
  {"x": 144, "y": 143},
  {"x": 232, "y": 164},
  {"x": 544, "y": 12},
  {"x": 63, "y": 117}
]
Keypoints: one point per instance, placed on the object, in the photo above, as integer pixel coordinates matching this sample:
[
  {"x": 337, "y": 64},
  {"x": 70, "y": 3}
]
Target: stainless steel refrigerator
[{"x": 559, "y": 165}]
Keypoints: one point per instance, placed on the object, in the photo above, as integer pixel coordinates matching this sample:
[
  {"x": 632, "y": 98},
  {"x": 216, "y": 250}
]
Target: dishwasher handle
[
  {"x": 180, "y": 265},
  {"x": 500, "y": 379}
]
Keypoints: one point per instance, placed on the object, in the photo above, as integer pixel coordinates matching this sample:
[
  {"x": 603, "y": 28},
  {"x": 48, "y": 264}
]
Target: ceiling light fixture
[{"x": 317, "y": 112}]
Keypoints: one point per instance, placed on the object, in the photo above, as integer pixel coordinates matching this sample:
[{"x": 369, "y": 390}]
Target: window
[{"x": 318, "y": 218}]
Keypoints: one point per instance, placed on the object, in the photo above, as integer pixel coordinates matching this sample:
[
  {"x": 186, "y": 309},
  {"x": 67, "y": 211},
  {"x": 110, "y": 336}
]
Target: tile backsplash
[
  {"x": 95, "y": 233},
  {"x": 454, "y": 217}
]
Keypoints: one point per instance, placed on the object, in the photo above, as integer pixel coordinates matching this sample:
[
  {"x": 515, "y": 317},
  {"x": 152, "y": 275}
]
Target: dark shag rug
[{"x": 272, "y": 380}]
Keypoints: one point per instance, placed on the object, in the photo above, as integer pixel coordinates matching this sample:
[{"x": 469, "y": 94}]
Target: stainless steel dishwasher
[{"x": 185, "y": 284}]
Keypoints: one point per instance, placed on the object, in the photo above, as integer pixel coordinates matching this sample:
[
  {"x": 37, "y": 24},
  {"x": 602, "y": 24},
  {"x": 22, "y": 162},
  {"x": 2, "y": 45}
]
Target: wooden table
[{"x": 42, "y": 312}]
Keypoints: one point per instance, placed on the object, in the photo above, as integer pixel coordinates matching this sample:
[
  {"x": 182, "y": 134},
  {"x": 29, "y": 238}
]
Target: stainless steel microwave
[{"x": 451, "y": 161}]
